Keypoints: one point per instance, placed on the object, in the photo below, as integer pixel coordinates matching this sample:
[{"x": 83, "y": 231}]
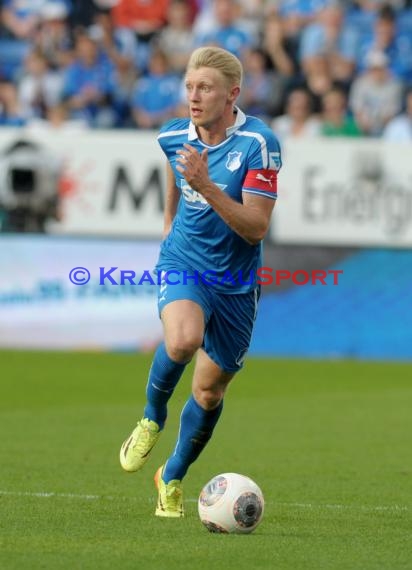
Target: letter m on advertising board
[{"x": 122, "y": 184}]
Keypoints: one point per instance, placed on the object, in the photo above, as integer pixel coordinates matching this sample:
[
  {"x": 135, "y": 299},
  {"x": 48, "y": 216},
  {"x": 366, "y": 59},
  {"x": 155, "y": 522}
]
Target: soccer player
[{"x": 221, "y": 189}]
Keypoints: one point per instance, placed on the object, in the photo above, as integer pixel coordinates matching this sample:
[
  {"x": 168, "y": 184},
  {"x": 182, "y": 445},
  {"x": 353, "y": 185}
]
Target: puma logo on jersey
[
  {"x": 260, "y": 176},
  {"x": 261, "y": 180}
]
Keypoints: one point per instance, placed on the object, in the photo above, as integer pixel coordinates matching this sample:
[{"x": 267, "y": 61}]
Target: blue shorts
[{"x": 229, "y": 319}]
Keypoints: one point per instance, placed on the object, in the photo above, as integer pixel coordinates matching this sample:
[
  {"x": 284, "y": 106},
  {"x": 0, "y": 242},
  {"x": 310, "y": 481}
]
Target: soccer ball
[{"x": 231, "y": 503}]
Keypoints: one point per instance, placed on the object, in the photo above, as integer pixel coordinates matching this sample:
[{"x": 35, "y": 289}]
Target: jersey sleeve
[
  {"x": 264, "y": 163},
  {"x": 168, "y": 132}
]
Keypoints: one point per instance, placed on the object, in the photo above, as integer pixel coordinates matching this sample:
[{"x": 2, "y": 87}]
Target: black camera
[{"x": 29, "y": 184}]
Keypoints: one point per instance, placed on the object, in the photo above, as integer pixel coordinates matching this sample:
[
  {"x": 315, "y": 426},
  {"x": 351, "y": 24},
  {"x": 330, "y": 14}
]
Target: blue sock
[
  {"x": 196, "y": 428},
  {"x": 164, "y": 374}
]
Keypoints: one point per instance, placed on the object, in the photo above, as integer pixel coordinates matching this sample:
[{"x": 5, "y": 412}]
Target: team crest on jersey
[{"x": 233, "y": 160}]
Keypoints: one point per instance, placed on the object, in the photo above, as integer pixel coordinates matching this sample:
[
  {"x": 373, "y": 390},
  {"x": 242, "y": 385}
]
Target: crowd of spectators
[{"x": 312, "y": 67}]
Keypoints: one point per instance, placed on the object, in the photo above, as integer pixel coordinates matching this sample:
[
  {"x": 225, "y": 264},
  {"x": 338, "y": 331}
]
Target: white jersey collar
[{"x": 240, "y": 120}]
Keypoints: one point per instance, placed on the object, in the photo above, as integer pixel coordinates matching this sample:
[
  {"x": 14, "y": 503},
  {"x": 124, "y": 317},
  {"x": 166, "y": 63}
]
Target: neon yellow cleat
[
  {"x": 136, "y": 449},
  {"x": 170, "y": 499}
]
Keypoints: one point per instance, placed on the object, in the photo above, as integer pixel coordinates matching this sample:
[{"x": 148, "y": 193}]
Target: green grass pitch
[{"x": 330, "y": 444}]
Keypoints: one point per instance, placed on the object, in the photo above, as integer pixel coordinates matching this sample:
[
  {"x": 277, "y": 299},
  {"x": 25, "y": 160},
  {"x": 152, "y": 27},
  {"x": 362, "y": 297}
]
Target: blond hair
[{"x": 220, "y": 59}]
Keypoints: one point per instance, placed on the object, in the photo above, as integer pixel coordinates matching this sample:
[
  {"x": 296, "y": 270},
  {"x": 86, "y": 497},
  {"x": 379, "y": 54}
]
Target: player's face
[{"x": 209, "y": 96}]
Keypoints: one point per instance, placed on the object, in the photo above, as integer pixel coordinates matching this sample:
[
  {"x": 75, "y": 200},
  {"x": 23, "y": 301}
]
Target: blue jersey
[{"x": 200, "y": 240}]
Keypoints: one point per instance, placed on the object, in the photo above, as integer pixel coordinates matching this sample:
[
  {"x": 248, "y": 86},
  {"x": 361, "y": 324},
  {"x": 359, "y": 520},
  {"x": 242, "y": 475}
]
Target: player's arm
[
  {"x": 171, "y": 200},
  {"x": 249, "y": 219}
]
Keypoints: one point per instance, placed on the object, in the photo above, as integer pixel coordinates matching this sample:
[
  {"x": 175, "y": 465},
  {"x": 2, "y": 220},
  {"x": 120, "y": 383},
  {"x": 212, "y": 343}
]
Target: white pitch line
[
  {"x": 346, "y": 507},
  {"x": 335, "y": 507},
  {"x": 46, "y": 495}
]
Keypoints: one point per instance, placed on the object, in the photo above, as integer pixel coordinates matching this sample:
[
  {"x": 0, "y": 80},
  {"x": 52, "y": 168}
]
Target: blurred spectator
[
  {"x": 328, "y": 47},
  {"x": 10, "y": 112},
  {"x": 262, "y": 90},
  {"x": 399, "y": 129},
  {"x": 20, "y": 18},
  {"x": 251, "y": 16},
  {"x": 119, "y": 47},
  {"x": 176, "y": 38},
  {"x": 404, "y": 21},
  {"x": 83, "y": 12},
  {"x": 318, "y": 85},
  {"x": 376, "y": 95},
  {"x": 296, "y": 15},
  {"x": 205, "y": 20},
  {"x": 145, "y": 17},
  {"x": 280, "y": 49},
  {"x": 361, "y": 15},
  {"x": 157, "y": 95},
  {"x": 53, "y": 37},
  {"x": 39, "y": 87},
  {"x": 336, "y": 120},
  {"x": 368, "y": 5},
  {"x": 122, "y": 86},
  {"x": 87, "y": 83},
  {"x": 118, "y": 44},
  {"x": 57, "y": 119},
  {"x": 298, "y": 121},
  {"x": 12, "y": 55},
  {"x": 398, "y": 48},
  {"x": 228, "y": 33}
]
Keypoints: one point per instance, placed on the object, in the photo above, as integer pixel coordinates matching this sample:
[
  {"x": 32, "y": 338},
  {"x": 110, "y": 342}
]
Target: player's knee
[
  {"x": 182, "y": 348},
  {"x": 208, "y": 399}
]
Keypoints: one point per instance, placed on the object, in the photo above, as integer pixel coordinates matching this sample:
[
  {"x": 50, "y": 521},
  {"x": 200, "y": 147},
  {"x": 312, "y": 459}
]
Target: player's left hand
[{"x": 193, "y": 166}]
